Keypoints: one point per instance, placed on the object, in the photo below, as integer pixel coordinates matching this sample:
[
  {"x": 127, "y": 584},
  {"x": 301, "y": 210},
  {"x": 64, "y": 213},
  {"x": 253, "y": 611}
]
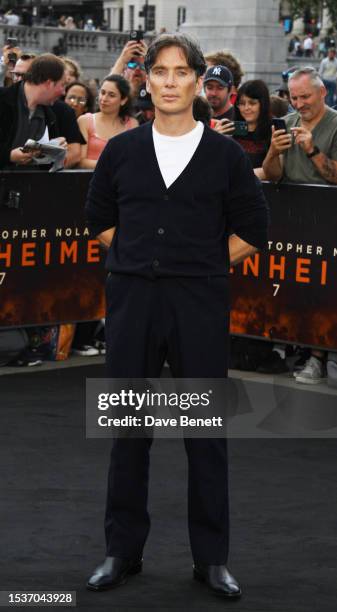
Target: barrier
[{"x": 51, "y": 271}]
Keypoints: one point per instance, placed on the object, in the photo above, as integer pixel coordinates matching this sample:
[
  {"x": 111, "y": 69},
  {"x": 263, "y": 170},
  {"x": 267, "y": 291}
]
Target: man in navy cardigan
[{"x": 175, "y": 204}]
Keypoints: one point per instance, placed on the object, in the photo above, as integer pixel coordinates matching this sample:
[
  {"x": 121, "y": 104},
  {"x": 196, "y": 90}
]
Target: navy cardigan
[{"x": 182, "y": 230}]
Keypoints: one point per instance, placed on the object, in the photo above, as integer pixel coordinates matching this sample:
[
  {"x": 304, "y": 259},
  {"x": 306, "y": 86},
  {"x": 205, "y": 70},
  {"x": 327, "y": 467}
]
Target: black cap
[
  {"x": 144, "y": 100},
  {"x": 221, "y": 74}
]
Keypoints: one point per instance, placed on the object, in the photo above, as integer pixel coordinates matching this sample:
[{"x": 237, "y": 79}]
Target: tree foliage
[{"x": 298, "y": 7}]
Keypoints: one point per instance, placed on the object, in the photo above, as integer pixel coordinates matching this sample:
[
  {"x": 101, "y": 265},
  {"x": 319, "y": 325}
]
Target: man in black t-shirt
[
  {"x": 31, "y": 109},
  {"x": 218, "y": 83}
]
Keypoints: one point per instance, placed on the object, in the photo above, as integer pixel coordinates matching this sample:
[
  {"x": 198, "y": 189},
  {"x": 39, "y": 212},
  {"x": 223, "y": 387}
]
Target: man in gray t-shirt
[
  {"x": 307, "y": 151},
  {"x": 298, "y": 167}
]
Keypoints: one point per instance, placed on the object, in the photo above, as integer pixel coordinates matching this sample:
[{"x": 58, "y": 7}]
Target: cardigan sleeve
[
  {"x": 101, "y": 205},
  {"x": 247, "y": 209}
]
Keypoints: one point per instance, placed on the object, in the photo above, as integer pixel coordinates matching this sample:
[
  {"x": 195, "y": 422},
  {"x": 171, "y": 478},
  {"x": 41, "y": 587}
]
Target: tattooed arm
[{"x": 326, "y": 167}]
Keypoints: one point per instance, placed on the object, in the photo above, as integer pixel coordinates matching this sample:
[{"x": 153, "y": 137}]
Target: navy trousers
[{"x": 183, "y": 320}]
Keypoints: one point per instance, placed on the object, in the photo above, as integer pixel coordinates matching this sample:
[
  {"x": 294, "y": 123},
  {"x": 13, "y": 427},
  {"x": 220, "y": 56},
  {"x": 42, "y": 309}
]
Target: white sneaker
[
  {"x": 86, "y": 351},
  {"x": 312, "y": 373}
]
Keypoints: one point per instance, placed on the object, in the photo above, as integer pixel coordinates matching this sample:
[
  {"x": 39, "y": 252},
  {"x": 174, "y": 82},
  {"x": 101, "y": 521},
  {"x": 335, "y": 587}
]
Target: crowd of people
[
  {"x": 24, "y": 16},
  {"x": 308, "y": 46},
  {"x": 46, "y": 97}
]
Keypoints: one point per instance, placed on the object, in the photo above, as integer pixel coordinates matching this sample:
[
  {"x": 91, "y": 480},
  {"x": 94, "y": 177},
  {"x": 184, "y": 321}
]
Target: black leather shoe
[
  {"x": 218, "y": 579},
  {"x": 113, "y": 572}
]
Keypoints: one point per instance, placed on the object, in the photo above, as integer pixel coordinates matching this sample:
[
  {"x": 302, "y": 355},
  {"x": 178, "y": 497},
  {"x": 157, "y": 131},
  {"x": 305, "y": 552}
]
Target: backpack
[{"x": 12, "y": 343}]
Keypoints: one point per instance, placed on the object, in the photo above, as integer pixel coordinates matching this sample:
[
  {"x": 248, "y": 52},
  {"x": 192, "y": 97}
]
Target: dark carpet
[{"x": 283, "y": 510}]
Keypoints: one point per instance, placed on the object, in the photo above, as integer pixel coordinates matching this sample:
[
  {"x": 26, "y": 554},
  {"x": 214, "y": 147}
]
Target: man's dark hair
[
  {"x": 123, "y": 87},
  {"x": 202, "y": 110},
  {"x": 278, "y": 106},
  {"x": 190, "y": 48},
  {"x": 257, "y": 90},
  {"x": 44, "y": 67}
]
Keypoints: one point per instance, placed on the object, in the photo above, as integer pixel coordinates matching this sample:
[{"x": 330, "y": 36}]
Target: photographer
[
  {"x": 130, "y": 64},
  {"x": 10, "y": 54},
  {"x": 253, "y": 107},
  {"x": 307, "y": 151}
]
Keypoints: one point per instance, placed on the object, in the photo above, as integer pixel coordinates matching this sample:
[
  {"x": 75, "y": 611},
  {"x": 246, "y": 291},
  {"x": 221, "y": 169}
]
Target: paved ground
[{"x": 283, "y": 500}]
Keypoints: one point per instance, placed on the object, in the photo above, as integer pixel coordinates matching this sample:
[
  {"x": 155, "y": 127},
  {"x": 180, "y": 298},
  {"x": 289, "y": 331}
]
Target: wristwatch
[{"x": 315, "y": 151}]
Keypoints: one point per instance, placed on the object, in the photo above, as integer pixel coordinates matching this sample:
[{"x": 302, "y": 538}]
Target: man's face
[
  {"x": 51, "y": 91},
  {"x": 331, "y": 54},
  {"x": 135, "y": 71},
  {"x": 306, "y": 98},
  {"x": 20, "y": 68},
  {"x": 172, "y": 83},
  {"x": 216, "y": 94}
]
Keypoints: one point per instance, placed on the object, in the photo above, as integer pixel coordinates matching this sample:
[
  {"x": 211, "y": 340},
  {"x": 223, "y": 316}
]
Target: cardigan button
[
  {"x": 166, "y": 197},
  {"x": 161, "y": 231},
  {"x": 155, "y": 263}
]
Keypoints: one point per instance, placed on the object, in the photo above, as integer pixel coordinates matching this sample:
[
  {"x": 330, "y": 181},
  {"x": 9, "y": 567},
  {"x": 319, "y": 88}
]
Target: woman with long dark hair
[
  {"x": 253, "y": 107},
  {"x": 114, "y": 117}
]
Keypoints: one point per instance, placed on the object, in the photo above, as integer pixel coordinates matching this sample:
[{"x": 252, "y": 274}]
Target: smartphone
[
  {"x": 136, "y": 35},
  {"x": 11, "y": 42},
  {"x": 279, "y": 124},
  {"x": 240, "y": 128}
]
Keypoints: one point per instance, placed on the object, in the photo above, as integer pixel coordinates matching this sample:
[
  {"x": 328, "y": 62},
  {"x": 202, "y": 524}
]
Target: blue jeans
[{"x": 331, "y": 92}]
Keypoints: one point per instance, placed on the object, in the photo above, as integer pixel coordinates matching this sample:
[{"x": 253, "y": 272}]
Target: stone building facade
[{"x": 125, "y": 15}]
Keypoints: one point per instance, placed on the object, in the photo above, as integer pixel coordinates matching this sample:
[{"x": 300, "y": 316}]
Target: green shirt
[{"x": 298, "y": 168}]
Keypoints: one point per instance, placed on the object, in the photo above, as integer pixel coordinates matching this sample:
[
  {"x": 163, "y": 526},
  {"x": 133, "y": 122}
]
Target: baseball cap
[
  {"x": 221, "y": 74},
  {"x": 144, "y": 100}
]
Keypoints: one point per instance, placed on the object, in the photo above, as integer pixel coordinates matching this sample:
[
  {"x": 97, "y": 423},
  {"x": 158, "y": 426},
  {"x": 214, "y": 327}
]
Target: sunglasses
[{"x": 134, "y": 65}]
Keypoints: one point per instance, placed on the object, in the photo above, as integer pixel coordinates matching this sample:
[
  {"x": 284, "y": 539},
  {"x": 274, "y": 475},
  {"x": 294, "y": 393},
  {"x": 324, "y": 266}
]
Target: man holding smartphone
[
  {"x": 130, "y": 63},
  {"x": 166, "y": 229},
  {"x": 306, "y": 152},
  {"x": 218, "y": 84}
]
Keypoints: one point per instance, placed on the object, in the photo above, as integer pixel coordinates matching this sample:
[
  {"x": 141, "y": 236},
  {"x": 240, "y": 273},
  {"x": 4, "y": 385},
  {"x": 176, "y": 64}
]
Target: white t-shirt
[
  {"x": 175, "y": 152},
  {"x": 308, "y": 44},
  {"x": 328, "y": 69}
]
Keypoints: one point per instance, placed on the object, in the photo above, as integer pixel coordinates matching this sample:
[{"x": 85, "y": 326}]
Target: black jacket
[
  {"x": 60, "y": 120},
  {"x": 182, "y": 230}
]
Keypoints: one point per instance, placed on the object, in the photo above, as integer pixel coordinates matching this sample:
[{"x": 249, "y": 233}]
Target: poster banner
[
  {"x": 289, "y": 292},
  {"x": 52, "y": 271}
]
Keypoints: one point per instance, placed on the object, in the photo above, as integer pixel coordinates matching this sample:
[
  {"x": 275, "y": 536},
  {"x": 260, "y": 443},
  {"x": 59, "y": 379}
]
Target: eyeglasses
[
  {"x": 77, "y": 100},
  {"x": 134, "y": 65},
  {"x": 249, "y": 103}
]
